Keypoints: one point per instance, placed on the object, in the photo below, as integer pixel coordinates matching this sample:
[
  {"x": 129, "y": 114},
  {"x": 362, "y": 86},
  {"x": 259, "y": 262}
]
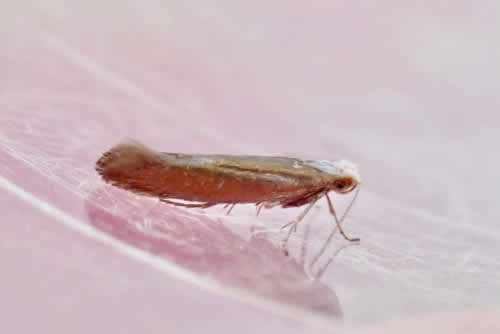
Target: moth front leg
[{"x": 337, "y": 221}]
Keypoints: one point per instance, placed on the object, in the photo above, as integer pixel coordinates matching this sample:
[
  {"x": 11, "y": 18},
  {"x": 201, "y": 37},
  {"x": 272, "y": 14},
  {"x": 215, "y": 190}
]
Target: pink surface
[{"x": 409, "y": 93}]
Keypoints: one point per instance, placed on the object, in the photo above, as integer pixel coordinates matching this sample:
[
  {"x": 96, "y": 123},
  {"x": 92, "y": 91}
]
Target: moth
[{"x": 207, "y": 180}]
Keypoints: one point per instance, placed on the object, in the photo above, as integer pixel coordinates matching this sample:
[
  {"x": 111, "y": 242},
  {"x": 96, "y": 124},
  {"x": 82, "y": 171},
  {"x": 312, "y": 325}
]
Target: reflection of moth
[{"x": 229, "y": 179}]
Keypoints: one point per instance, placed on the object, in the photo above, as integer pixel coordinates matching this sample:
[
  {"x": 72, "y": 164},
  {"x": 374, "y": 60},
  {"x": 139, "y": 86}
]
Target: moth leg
[
  {"x": 332, "y": 211},
  {"x": 230, "y": 206},
  {"x": 188, "y": 205},
  {"x": 293, "y": 224},
  {"x": 267, "y": 205},
  {"x": 259, "y": 207}
]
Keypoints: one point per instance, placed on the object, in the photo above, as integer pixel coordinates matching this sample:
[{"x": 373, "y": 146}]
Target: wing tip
[{"x": 125, "y": 155}]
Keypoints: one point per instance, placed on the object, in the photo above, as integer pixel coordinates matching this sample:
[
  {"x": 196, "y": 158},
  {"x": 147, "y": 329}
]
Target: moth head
[
  {"x": 344, "y": 184},
  {"x": 344, "y": 174},
  {"x": 347, "y": 177}
]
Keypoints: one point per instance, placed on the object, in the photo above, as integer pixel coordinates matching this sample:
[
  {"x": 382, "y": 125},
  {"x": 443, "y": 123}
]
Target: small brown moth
[{"x": 209, "y": 180}]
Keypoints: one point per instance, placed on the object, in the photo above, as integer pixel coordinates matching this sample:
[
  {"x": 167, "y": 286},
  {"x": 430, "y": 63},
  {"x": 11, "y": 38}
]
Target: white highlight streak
[
  {"x": 95, "y": 234},
  {"x": 161, "y": 264},
  {"x": 114, "y": 80}
]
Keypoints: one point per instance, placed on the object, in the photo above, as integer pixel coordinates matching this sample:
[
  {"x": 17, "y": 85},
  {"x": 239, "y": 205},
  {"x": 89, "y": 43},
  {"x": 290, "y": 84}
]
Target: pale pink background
[{"x": 407, "y": 91}]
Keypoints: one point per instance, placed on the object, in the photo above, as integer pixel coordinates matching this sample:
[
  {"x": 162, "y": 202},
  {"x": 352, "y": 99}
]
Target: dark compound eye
[{"x": 340, "y": 184}]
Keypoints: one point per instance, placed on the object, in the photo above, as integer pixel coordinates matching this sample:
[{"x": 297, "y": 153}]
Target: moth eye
[{"x": 340, "y": 184}]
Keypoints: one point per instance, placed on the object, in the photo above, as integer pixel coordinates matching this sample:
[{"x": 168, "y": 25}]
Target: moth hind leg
[{"x": 188, "y": 205}]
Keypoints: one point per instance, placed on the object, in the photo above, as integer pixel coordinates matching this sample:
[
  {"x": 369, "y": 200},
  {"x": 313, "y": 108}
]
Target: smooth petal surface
[{"x": 408, "y": 92}]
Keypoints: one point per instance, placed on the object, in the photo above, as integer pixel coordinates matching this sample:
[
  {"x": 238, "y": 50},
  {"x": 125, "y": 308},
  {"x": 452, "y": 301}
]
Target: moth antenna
[
  {"x": 330, "y": 236},
  {"x": 350, "y": 204},
  {"x": 332, "y": 211}
]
